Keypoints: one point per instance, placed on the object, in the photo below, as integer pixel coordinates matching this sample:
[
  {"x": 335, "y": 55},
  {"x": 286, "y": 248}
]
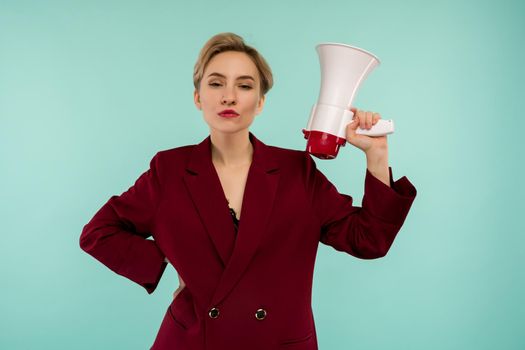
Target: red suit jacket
[{"x": 253, "y": 291}]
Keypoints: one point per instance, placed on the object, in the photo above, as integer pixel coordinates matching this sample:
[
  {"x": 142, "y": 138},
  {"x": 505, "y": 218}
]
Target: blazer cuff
[
  {"x": 144, "y": 263},
  {"x": 389, "y": 204}
]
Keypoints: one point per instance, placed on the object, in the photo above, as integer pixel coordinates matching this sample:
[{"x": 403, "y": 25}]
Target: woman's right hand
[
  {"x": 181, "y": 287},
  {"x": 181, "y": 282}
]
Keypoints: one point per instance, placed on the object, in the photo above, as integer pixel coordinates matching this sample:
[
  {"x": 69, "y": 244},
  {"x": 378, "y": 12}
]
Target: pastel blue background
[{"x": 91, "y": 90}]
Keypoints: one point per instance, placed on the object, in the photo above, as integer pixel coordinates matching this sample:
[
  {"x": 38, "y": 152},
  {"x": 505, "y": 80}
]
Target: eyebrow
[{"x": 239, "y": 77}]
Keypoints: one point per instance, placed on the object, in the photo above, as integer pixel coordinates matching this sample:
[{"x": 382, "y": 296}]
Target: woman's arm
[
  {"x": 375, "y": 148},
  {"x": 377, "y": 165},
  {"x": 368, "y": 231},
  {"x": 117, "y": 234}
]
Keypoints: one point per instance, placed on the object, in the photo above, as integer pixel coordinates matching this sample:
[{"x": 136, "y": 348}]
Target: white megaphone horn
[{"x": 343, "y": 69}]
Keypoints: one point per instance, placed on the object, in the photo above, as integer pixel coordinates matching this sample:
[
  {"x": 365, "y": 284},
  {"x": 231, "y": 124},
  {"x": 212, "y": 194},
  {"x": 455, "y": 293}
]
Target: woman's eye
[{"x": 244, "y": 87}]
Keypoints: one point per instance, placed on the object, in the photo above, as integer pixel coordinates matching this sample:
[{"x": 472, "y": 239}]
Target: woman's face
[{"x": 230, "y": 82}]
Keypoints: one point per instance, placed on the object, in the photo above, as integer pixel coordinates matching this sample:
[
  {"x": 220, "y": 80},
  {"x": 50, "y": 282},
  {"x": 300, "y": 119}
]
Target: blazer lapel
[
  {"x": 208, "y": 197},
  {"x": 206, "y": 191}
]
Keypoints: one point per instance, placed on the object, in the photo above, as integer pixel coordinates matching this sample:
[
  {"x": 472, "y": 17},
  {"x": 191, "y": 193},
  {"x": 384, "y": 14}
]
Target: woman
[{"x": 241, "y": 221}]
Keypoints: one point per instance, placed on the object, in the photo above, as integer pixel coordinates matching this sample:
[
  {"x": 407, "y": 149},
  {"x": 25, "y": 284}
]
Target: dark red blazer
[{"x": 253, "y": 291}]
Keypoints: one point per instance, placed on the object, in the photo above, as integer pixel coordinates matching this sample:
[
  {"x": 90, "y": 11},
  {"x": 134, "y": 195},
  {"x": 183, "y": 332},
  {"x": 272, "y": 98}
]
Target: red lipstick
[{"x": 228, "y": 113}]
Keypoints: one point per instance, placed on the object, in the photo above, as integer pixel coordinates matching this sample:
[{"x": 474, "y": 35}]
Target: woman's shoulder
[
  {"x": 289, "y": 157},
  {"x": 171, "y": 159},
  {"x": 175, "y": 151},
  {"x": 287, "y": 152}
]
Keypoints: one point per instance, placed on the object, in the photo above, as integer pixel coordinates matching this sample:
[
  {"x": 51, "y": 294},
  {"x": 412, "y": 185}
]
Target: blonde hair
[{"x": 223, "y": 42}]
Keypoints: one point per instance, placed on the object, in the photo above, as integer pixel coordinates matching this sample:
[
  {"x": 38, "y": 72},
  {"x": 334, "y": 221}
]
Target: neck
[{"x": 231, "y": 150}]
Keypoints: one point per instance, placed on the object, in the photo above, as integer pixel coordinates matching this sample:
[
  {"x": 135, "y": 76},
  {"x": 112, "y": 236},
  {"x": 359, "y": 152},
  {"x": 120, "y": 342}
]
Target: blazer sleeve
[
  {"x": 365, "y": 232},
  {"x": 117, "y": 234}
]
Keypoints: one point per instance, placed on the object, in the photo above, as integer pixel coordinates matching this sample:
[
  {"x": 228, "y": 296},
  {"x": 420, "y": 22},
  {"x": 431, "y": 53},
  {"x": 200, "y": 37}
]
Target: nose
[{"x": 228, "y": 98}]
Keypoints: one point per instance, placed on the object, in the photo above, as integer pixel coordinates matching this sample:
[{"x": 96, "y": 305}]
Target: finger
[
  {"x": 176, "y": 292},
  {"x": 350, "y": 129},
  {"x": 368, "y": 120},
  {"x": 376, "y": 117},
  {"x": 362, "y": 119},
  {"x": 353, "y": 124}
]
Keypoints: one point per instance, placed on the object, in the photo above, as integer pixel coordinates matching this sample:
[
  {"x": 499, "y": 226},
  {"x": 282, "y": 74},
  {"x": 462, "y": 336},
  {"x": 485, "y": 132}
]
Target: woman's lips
[{"x": 228, "y": 114}]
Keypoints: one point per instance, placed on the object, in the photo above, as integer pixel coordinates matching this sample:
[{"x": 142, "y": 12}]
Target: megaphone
[{"x": 343, "y": 70}]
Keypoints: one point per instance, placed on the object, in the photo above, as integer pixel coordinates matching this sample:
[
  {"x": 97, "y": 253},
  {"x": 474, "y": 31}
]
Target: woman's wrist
[{"x": 377, "y": 164}]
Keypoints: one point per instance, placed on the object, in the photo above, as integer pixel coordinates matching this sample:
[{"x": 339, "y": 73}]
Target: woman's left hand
[{"x": 376, "y": 145}]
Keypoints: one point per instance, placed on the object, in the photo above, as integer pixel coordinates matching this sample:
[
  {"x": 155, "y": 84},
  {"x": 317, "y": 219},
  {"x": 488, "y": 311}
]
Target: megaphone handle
[{"x": 381, "y": 128}]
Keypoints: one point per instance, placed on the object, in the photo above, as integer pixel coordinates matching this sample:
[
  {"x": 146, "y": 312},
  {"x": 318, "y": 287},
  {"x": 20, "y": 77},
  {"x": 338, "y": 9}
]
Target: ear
[
  {"x": 197, "y": 99},
  {"x": 260, "y": 104}
]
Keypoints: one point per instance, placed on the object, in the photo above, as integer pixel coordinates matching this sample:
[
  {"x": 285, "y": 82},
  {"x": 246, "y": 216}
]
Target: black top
[{"x": 235, "y": 220}]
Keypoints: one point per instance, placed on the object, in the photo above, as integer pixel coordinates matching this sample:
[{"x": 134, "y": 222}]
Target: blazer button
[
  {"x": 214, "y": 312},
  {"x": 260, "y": 314}
]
